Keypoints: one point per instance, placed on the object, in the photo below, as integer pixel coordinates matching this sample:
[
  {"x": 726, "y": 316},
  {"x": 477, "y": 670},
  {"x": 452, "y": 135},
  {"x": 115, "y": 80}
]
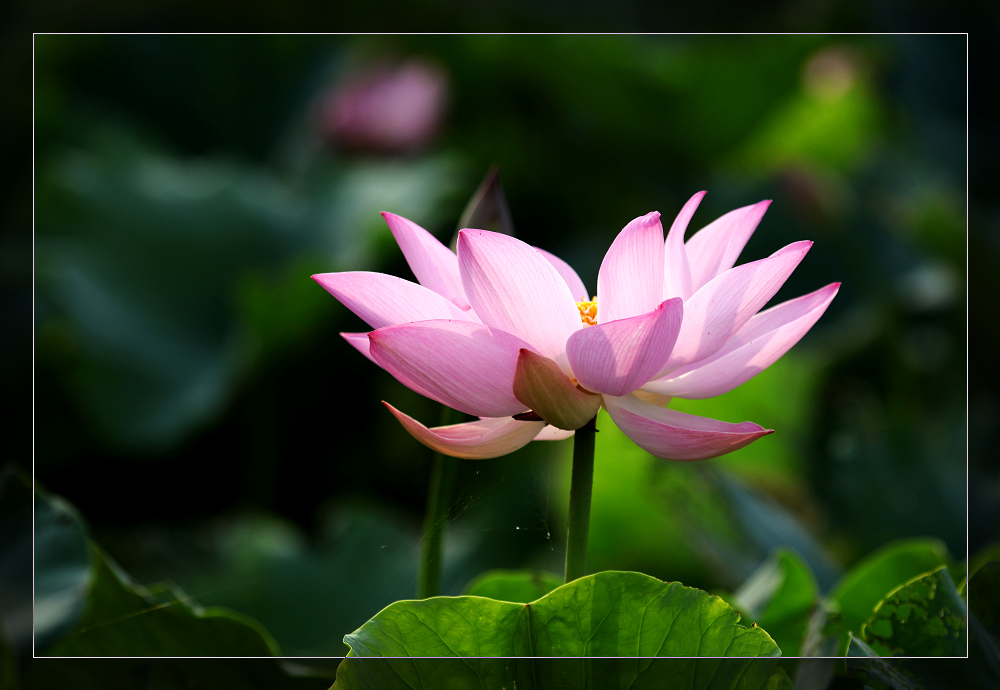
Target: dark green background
[{"x": 193, "y": 399}]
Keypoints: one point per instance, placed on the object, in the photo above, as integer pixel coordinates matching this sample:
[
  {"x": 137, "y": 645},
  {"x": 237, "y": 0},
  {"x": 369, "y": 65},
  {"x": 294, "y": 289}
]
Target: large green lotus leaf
[
  {"x": 923, "y": 617},
  {"x": 517, "y": 586},
  {"x": 126, "y": 619},
  {"x": 867, "y": 583},
  {"x": 609, "y": 614},
  {"x": 561, "y": 674},
  {"x": 779, "y": 597}
]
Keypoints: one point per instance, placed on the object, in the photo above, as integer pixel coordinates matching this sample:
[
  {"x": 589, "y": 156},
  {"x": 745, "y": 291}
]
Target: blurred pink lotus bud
[{"x": 386, "y": 109}]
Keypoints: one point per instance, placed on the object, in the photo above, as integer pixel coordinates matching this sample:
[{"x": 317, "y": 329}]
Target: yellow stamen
[{"x": 588, "y": 312}]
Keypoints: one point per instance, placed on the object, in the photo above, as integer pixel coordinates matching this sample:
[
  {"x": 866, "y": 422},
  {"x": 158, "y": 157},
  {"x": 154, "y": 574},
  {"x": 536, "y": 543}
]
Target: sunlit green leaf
[
  {"x": 779, "y": 597},
  {"x": 923, "y": 617},
  {"x": 607, "y": 614},
  {"x": 871, "y": 580},
  {"x": 517, "y": 586}
]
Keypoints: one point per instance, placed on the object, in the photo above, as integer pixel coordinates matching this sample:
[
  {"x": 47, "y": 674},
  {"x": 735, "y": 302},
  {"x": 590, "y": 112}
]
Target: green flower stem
[
  {"x": 439, "y": 495},
  {"x": 580, "y": 490}
]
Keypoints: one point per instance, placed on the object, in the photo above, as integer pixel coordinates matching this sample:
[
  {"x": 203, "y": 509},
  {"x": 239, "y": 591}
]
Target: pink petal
[
  {"x": 464, "y": 365},
  {"x": 434, "y": 265},
  {"x": 514, "y": 288},
  {"x": 383, "y": 300},
  {"x": 715, "y": 248},
  {"x": 550, "y": 433},
  {"x": 359, "y": 341},
  {"x": 486, "y": 438},
  {"x": 630, "y": 281},
  {"x": 727, "y": 302},
  {"x": 619, "y": 356},
  {"x": 677, "y": 271},
  {"x": 755, "y": 347},
  {"x": 678, "y": 436},
  {"x": 541, "y": 385},
  {"x": 573, "y": 282}
]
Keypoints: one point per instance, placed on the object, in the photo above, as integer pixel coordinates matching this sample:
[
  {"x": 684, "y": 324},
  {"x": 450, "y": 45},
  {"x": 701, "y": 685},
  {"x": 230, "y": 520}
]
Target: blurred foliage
[
  {"x": 924, "y": 616},
  {"x": 518, "y": 586},
  {"x": 86, "y": 605},
  {"x": 194, "y": 402},
  {"x": 858, "y": 592},
  {"x": 779, "y": 596}
]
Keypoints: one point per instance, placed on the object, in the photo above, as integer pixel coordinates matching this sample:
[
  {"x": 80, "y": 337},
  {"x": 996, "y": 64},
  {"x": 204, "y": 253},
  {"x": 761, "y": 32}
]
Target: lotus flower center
[{"x": 588, "y": 312}]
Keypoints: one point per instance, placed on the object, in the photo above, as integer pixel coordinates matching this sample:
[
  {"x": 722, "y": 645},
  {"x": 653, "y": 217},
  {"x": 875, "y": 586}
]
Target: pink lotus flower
[{"x": 506, "y": 332}]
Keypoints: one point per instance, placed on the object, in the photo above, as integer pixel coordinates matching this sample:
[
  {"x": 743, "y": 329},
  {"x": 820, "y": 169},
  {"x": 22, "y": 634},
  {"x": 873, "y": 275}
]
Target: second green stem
[
  {"x": 580, "y": 491},
  {"x": 439, "y": 495}
]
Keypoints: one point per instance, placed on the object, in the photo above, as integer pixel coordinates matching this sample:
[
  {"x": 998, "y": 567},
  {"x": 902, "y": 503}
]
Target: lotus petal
[
  {"x": 630, "y": 281},
  {"x": 359, "y": 341},
  {"x": 383, "y": 300},
  {"x": 715, "y": 248},
  {"x": 573, "y": 282},
  {"x": 676, "y": 435},
  {"x": 620, "y": 356},
  {"x": 722, "y": 307},
  {"x": 677, "y": 270},
  {"x": 464, "y": 365},
  {"x": 513, "y": 287},
  {"x": 755, "y": 347},
  {"x": 550, "y": 433},
  {"x": 541, "y": 385},
  {"x": 486, "y": 438},
  {"x": 434, "y": 265}
]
